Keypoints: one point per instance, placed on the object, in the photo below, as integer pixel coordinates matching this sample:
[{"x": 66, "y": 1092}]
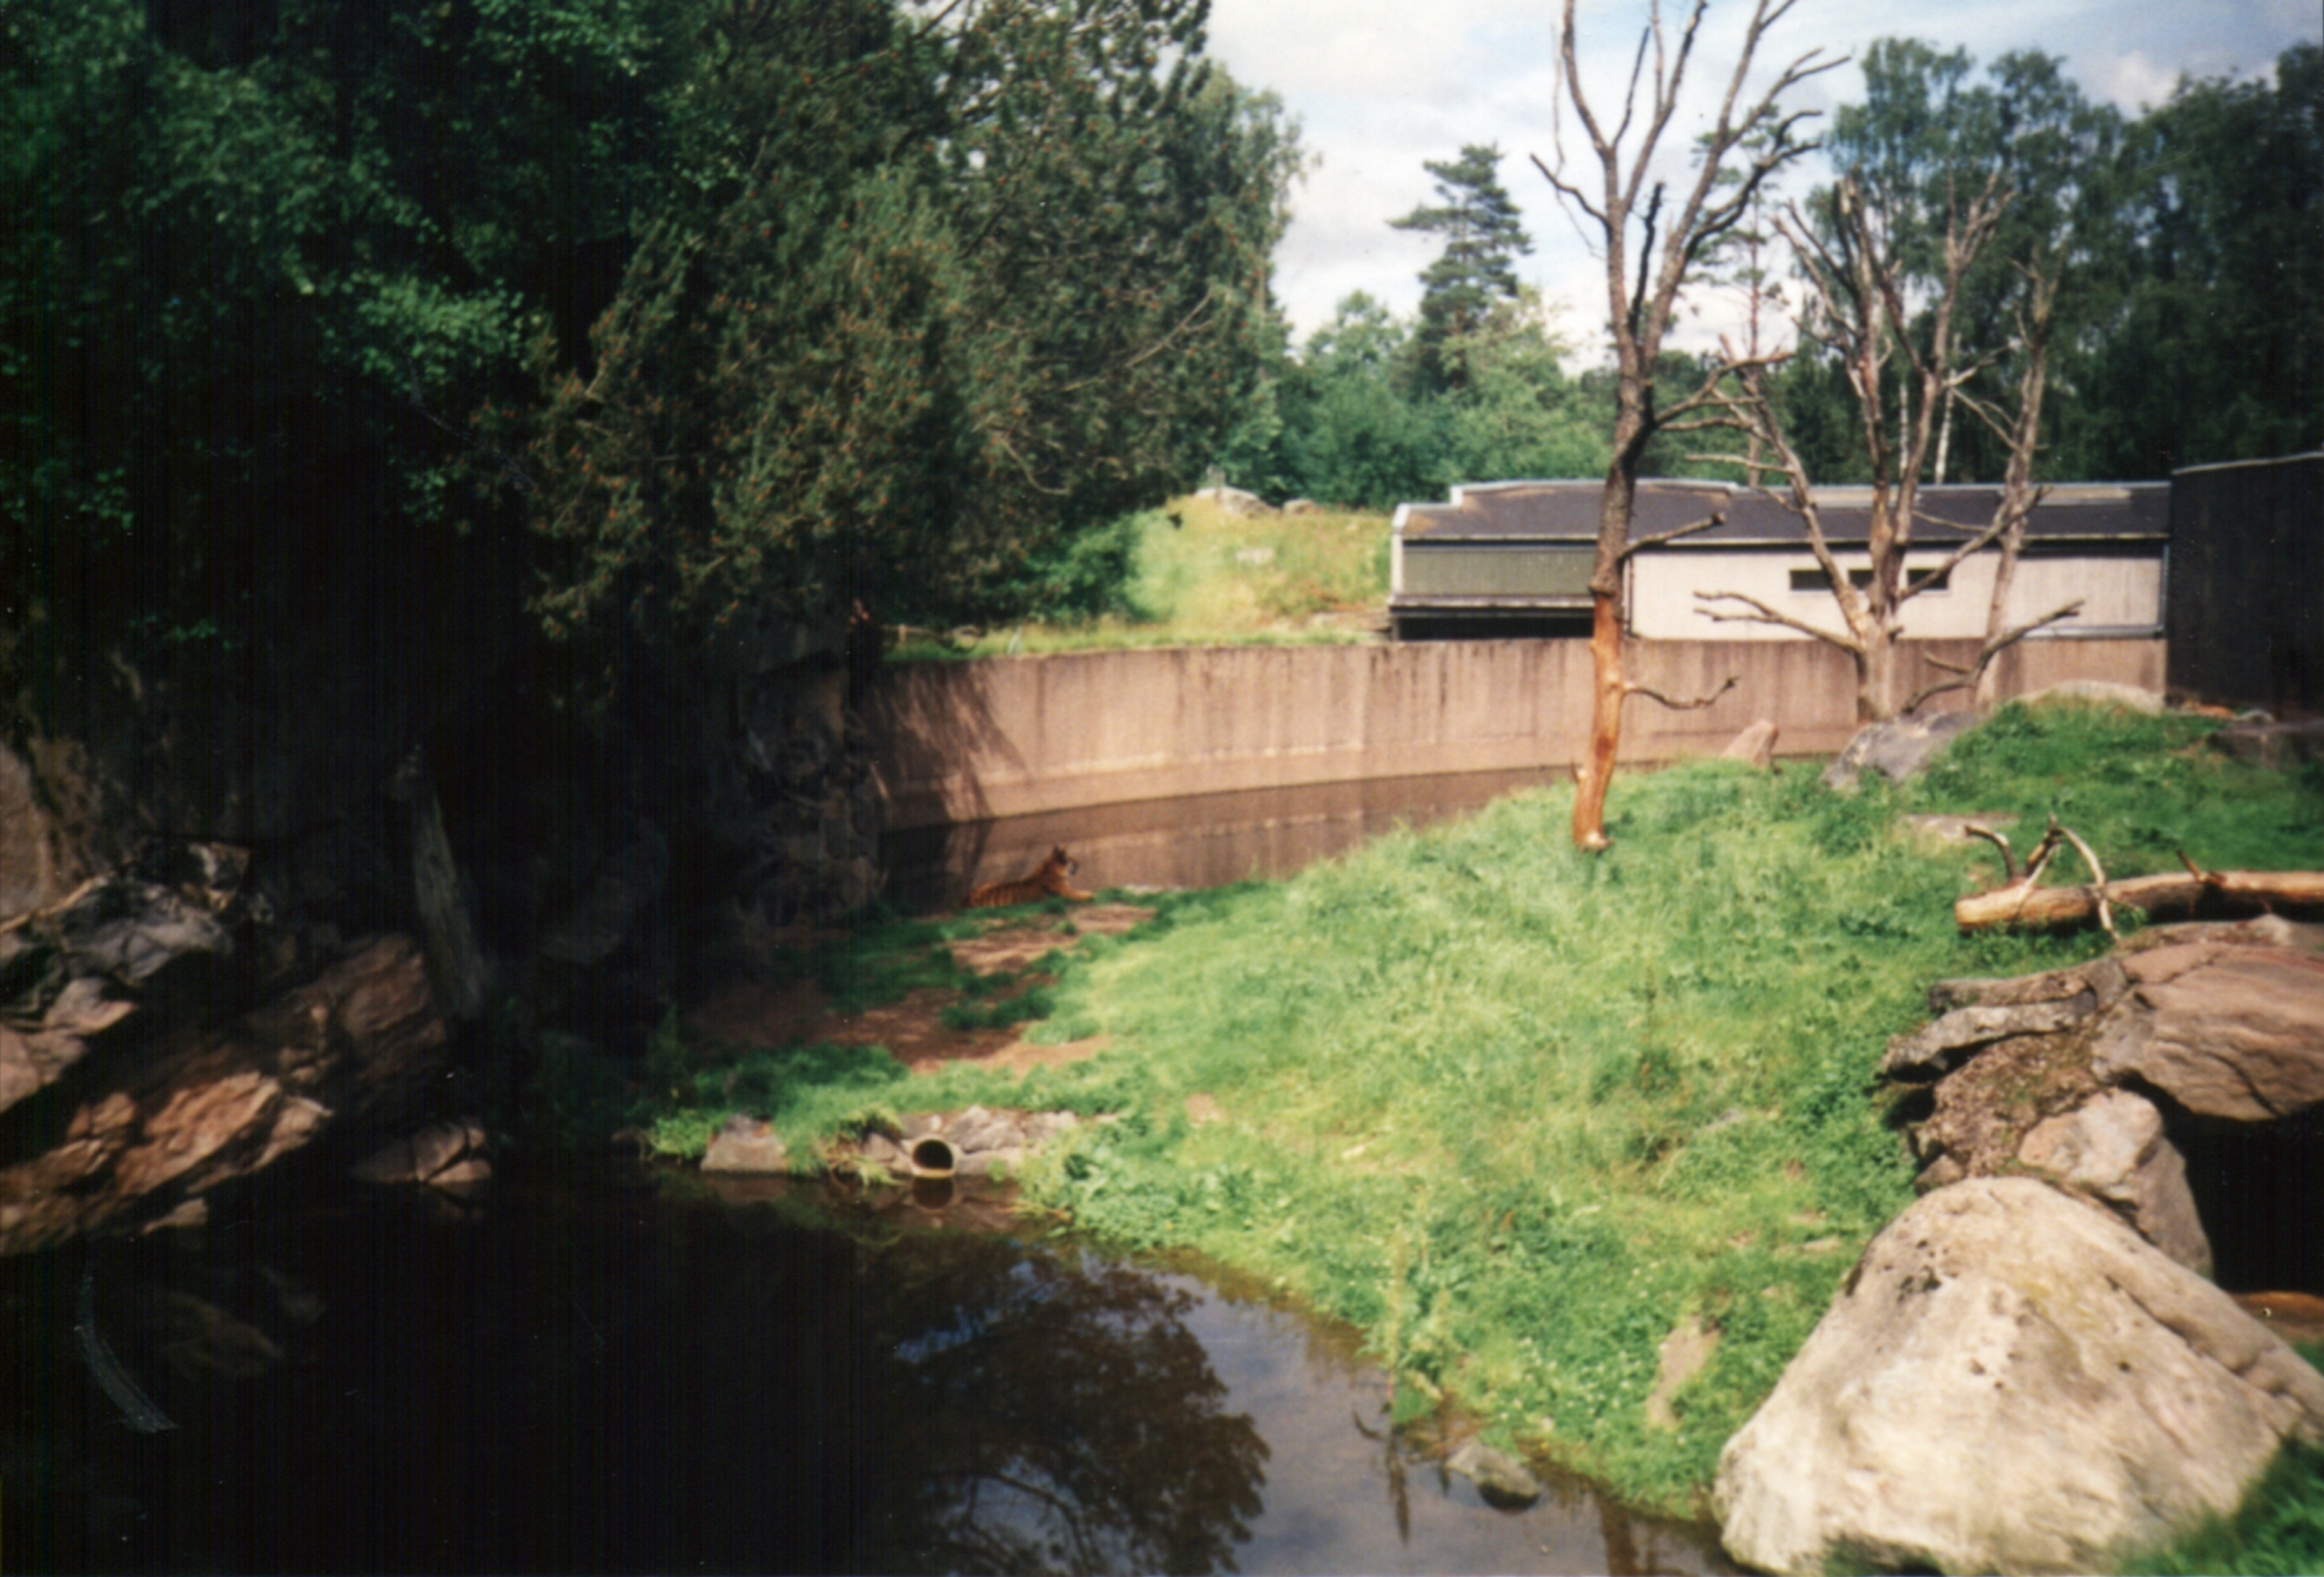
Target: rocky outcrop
[
  {"x": 2010, "y": 1381},
  {"x": 1898, "y": 750},
  {"x": 1235, "y": 500},
  {"x": 363, "y": 1042},
  {"x": 2051, "y": 1073},
  {"x": 94, "y": 967},
  {"x": 2232, "y": 1032}
]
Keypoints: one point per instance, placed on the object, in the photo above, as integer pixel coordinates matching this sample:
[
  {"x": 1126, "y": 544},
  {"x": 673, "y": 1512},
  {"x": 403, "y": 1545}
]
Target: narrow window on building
[{"x": 1812, "y": 580}]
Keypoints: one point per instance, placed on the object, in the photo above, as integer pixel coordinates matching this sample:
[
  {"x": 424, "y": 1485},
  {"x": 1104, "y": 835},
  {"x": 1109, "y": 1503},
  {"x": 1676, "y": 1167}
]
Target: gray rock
[
  {"x": 1044, "y": 1126},
  {"x": 1302, "y": 506},
  {"x": 985, "y": 1163},
  {"x": 2097, "y": 693},
  {"x": 1754, "y": 745},
  {"x": 1500, "y": 1478},
  {"x": 1934, "y": 1046},
  {"x": 2273, "y": 745},
  {"x": 133, "y": 931},
  {"x": 2103, "y": 978},
  {"x": 422, "y": 1156},
  {"x": 979, "y": 1129},
  {"x": 2112, "y": 1147},
  {"x": 2230, "y": 1032},
  {"x": 2010, "y": 1381},
  {"x": 1896, "y": 749},
  {"x": 745, "y": 1145},
  {"x": 882, "y": 1152},
  {"x": 1948, "y": 830},
  {"x": 1234, "y": 501}
]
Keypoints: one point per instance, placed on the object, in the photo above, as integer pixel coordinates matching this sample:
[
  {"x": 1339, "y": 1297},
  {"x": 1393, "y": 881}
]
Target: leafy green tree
[
  {"x": 1514, "y": 413},
  {"x": 1483, "y": 240},
  {"x": 954, "y": 290},
  {"x": 1355, "y": 431},
  {"x": 2215, "y": 350},
  {"x": 261, "y": 262}
]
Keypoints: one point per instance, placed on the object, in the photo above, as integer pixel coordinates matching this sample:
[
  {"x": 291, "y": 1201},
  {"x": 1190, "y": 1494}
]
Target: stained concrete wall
[{"x": 1022, "y": 736}]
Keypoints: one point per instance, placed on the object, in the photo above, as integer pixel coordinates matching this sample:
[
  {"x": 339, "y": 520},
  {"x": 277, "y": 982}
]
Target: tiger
[{"x": 1046, "y": 881}]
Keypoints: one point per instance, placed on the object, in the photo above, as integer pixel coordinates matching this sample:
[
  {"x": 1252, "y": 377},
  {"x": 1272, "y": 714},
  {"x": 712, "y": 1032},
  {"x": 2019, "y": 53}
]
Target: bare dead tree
[
  {"x": 1644, "y": 271},
  {"x": 1856, "y": 292}
]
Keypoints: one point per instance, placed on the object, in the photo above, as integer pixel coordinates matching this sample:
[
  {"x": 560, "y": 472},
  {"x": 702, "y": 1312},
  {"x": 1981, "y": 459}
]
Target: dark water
[
  {"x": 1205, "y": 840},
  {"x": 626, "y": 1373}
]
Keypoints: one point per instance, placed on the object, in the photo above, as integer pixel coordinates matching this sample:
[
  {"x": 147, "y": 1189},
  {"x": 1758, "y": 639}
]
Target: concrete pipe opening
[{"x": 934, "y": 1157}]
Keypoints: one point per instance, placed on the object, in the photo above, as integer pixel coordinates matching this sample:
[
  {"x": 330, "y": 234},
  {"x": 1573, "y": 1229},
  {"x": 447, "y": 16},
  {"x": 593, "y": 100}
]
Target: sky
[{"x": 1379, "y": 86}]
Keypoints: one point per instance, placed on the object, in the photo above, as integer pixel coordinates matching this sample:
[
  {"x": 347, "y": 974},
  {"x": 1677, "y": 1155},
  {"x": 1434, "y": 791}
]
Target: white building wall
[{"x": 2115, "y": 594}]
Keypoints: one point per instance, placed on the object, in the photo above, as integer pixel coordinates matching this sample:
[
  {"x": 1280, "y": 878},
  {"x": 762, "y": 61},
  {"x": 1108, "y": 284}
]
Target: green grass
[
  {"x": 1215, "y": 579},
  {"x": 1517, "y": 1112}
]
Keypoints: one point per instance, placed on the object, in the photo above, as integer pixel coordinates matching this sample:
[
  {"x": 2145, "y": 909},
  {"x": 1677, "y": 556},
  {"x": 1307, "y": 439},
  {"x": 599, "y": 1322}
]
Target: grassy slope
[
  {"x": 1199, "y": 584},
  {"x": 1518, "y": 1113}
]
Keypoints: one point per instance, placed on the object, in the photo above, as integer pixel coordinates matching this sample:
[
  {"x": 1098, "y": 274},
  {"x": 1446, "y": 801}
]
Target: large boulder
[
  {"x": 2226, "y": 1031},
  {"x": 2010, "y": 1381},
  {"x": 1896, "y": 749},
  {"x": 2111, "y": 1149}
]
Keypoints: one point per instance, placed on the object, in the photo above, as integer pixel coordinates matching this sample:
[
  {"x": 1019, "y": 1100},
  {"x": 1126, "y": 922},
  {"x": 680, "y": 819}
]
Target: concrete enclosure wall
[{"x": 1022, "y": 736}]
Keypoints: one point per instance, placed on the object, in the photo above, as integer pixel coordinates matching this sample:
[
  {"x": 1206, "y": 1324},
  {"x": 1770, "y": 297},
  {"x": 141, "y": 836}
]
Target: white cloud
[{"x": 1382, "y": 85}]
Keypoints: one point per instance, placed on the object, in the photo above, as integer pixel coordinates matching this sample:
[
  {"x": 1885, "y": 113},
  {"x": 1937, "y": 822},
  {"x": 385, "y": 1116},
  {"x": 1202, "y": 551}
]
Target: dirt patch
[
  {"x": 747, "y": 1011},
  {"x": 1202, "y": 1110},
  {"x": 1020, "y": 1057},
  {"x": 1014, "y": 944}
]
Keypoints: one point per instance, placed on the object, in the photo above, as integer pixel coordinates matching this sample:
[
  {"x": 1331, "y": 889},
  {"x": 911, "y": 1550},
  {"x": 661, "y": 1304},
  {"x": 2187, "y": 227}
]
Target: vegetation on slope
[
  {"x": 1521, "y": 1113},
  {"x": 1194, "y": 575}
]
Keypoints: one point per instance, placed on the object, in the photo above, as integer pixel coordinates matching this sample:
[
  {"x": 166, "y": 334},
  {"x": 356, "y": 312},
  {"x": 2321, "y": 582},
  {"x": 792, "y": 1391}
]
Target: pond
[
  {"x": 1205, "y": 840},
  {"x": 634, "y": 1371}
]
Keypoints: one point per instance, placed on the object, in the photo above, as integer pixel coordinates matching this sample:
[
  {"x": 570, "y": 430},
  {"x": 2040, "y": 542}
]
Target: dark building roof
[{"x": 1567, "y": 511}]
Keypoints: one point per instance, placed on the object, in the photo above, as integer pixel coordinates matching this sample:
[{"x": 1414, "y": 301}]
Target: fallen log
[{"x": 2024, "y": 903}]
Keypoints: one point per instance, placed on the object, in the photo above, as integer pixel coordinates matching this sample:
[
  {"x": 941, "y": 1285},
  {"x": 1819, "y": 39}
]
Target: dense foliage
[
  {"x": 761, "y": 303},
  {"x": 961, "y": 292},
  {"x": 2186, "y": 243},
  {"x": 263, "y": 259}
]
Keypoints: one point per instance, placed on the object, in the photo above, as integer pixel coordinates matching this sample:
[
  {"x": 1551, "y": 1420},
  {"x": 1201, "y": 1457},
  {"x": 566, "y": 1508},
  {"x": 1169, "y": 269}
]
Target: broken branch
[
  {"x": 1699, "y": 702},
  {"x": 2023, "y": 901}
]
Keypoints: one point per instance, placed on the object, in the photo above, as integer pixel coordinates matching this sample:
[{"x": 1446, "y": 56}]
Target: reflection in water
[
  {"x": 631, "y": 1374},
  {"x": 1202, "y": 841}
]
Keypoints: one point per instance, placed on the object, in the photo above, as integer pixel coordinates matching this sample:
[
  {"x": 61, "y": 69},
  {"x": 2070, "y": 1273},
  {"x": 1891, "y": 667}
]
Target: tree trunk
[
  {"x": 1876, "y": 676},
  {"x": 2021, "y": 903},
  {"x": 1596, "y": 770}
]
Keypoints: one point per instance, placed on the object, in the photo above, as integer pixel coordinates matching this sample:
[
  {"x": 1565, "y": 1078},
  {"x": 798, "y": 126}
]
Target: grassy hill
[{"x": 1521, "y": 1114}]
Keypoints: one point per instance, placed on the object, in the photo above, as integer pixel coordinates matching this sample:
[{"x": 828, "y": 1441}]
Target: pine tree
[{"x": 1482, "y": 237}]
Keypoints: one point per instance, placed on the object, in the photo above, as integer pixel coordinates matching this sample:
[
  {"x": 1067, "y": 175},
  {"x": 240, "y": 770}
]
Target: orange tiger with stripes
[{"x": 1048, "y": 880}]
